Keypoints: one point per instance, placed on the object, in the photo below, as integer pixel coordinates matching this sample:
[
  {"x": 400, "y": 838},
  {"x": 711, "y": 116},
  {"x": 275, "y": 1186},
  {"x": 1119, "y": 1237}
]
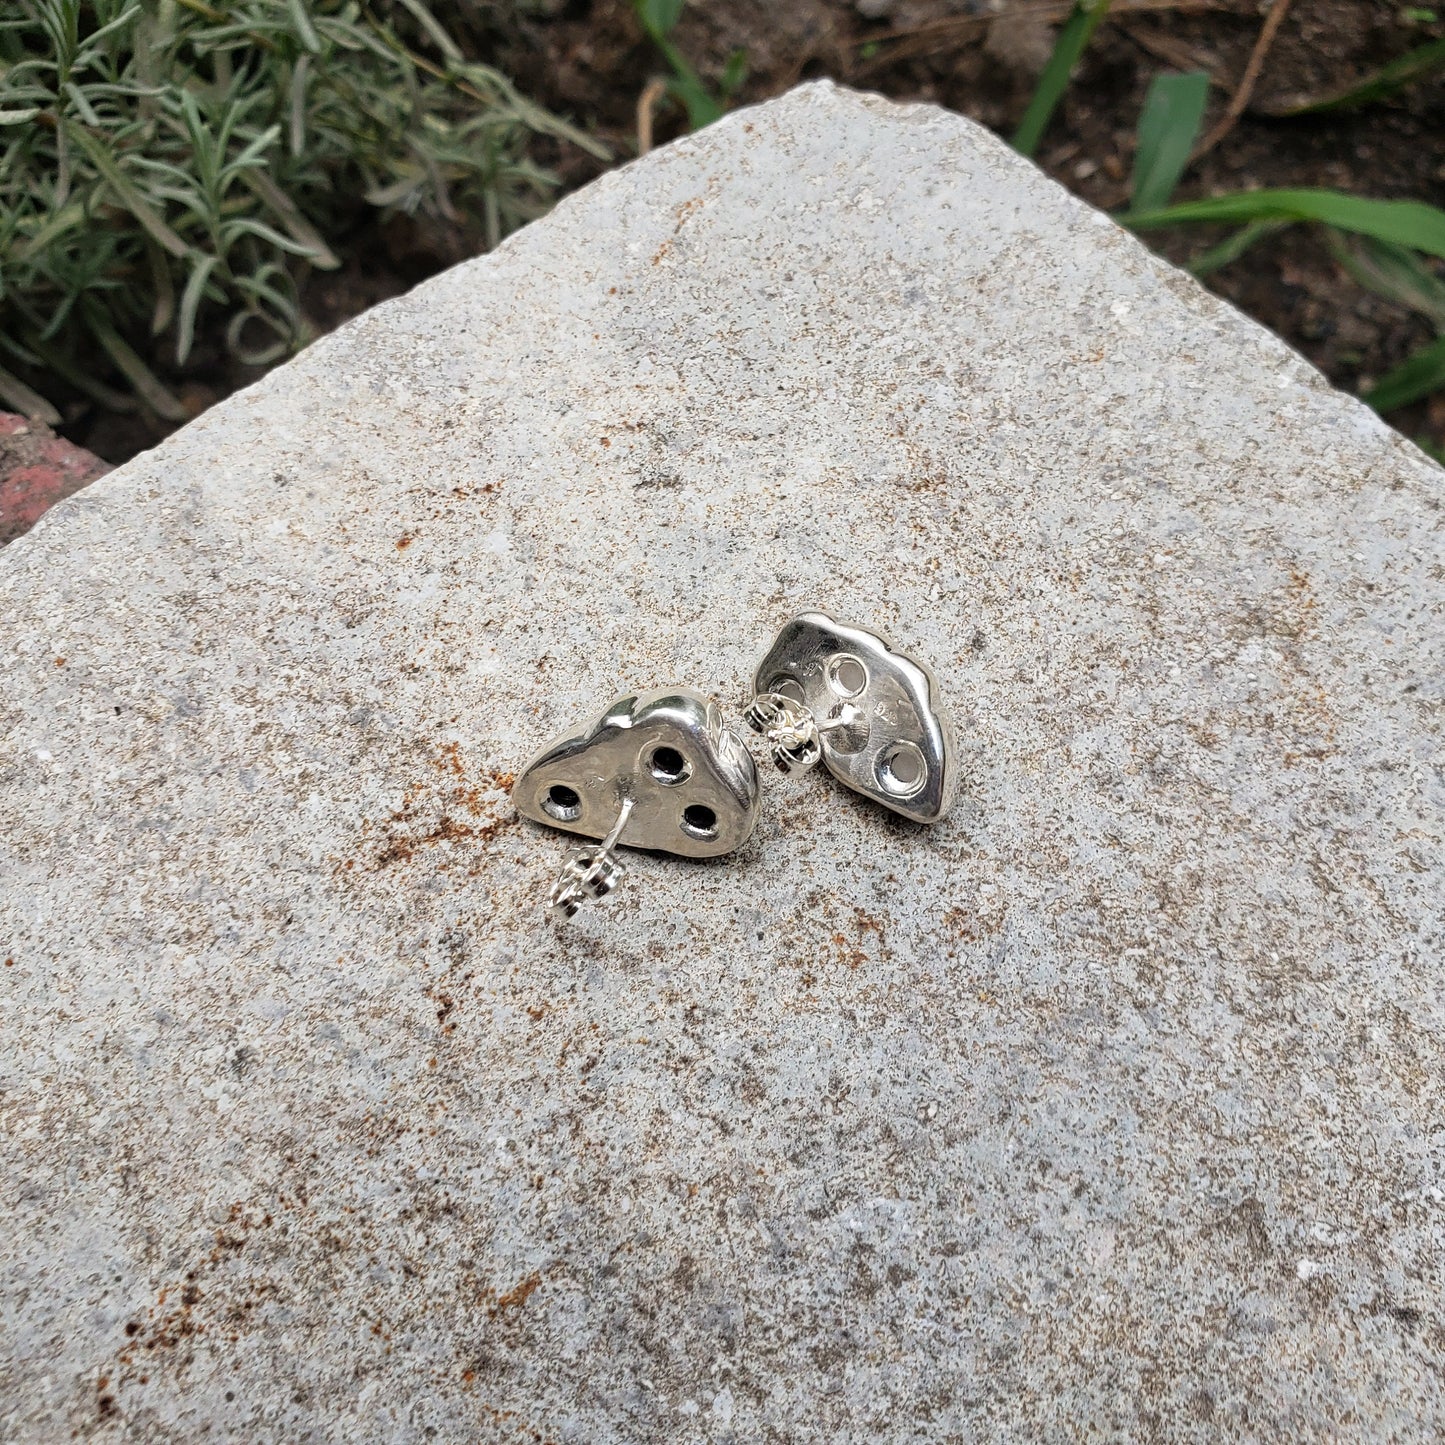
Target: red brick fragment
[{"x": 37, "y": 470}]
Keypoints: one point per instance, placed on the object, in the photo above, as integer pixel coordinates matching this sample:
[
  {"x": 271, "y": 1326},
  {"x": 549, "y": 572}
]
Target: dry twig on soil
[
  {"x": 1240, "y": 99},
  {"x": 652, "y": 92},
  {"x": 1178, "y": 54}
]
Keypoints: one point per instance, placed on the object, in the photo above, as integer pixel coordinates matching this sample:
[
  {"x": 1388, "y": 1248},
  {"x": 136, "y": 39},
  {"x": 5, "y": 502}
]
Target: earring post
[
  {"x": 614, "y": 837},
  {"x": 590, "y": 872}
]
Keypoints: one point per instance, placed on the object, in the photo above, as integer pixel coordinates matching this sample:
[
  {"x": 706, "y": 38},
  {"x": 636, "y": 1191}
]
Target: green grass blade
[
  {"x": 1233, "y": 247},
  {"x": 1421, "y": 375},
  {"x": 250, "y": 226},
  {"x": 1073, "y": 40},
  {"x": 289, "y": 214},
  {"x": 658, "y": 17},
  {"x": 735, "y": 73},
  {"x": 125, "y": 193},
  {"x": 77, "y": 376},
  {"x": 28, "y": 402},
  {"x": 433, "y": 27},
  {"x": 1168, "y": 125},
  {"x": 164, "y": 288},
  {"x": 119, "y": 22},
  {"x": 686, "y": 85},
  {"x": 190, "y": 305},
  {"x": 68, "y": 218},
  {"x": 257, "y": 355},
  {"x": 148, "y": 386},
  {"x": 305, "y": 30},
  {"x": 1394, "y": 273},
  {"x": 1405, "y": 223},
  {"x": 297, "y": 133},
  {"x": 1416, "y": 65},
  {"x": 81, "y": 102},
  {"x": 702, "y": 108},
  {"x": 530, "y": 114}
]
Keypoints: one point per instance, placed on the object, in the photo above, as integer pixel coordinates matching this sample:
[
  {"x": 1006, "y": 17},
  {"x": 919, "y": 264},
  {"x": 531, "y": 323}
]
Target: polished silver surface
[
  {"x": 657, "y": 770},
  {"x": 873, "y": 714}
]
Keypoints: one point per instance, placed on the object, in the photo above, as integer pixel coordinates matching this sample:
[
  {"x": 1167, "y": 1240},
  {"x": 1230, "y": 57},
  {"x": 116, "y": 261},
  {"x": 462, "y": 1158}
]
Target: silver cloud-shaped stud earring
[
  {"x": 658, "y": 770},
  {"x": 873, "y": 715}
]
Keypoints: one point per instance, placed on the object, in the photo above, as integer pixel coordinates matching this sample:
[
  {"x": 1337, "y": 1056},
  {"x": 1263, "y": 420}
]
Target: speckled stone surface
[{"x": 1110, "y": 1108}]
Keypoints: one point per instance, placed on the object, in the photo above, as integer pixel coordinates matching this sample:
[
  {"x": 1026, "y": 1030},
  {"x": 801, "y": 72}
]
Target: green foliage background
[
  {"x": 164, "y": 161},
  {"x": 172, "y": 168}
]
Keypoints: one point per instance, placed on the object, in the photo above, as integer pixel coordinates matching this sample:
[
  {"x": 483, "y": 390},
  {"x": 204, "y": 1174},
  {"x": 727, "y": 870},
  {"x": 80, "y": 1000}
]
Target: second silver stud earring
[{"x": 873, "y": 715}]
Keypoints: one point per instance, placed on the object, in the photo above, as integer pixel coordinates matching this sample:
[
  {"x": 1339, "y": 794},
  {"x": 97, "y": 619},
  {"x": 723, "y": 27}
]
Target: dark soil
[{"x": 589, "y": 60}]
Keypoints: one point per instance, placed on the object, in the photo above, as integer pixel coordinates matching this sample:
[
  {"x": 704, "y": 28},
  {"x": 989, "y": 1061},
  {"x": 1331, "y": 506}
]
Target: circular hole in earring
[
  {"x": 847, "y": 676},
  {"x": 901, "y": 770},
  {"x": 790, "y": 688},
  {"x": 699, "y": 821},
  {"x": 562, "y": 803},
  {"x": 668, "y": 765}
]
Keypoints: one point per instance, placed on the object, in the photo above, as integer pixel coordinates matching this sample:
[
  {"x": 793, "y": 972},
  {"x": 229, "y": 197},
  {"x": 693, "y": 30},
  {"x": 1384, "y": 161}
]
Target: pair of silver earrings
[{"x": 662, "y": 770}]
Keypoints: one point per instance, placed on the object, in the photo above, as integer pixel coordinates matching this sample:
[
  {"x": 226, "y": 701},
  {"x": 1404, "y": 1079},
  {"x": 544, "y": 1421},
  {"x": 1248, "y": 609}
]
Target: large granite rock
[{"x": 1112, "y": 1107}]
